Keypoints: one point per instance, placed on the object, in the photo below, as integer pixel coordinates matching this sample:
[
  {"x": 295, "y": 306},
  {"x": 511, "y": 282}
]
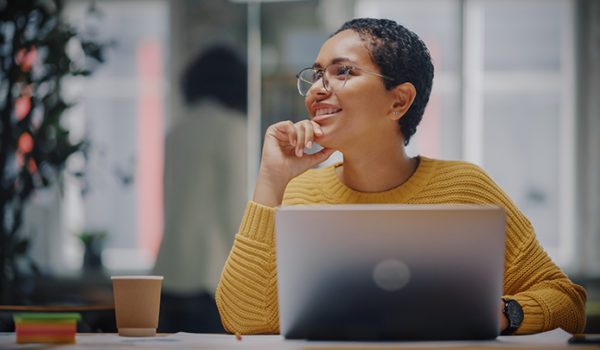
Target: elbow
[
  {"x": 580, "y": 299},
  {"x": 575, "y": 319},
  {"x": 238, "y": 318},
  {"x": 221, "y": 310}
]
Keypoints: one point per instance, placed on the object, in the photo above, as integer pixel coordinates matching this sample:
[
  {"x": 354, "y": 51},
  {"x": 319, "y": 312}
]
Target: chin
[
  {"x": 333, "y": 135},
  {"x": 327, "y": 142}
]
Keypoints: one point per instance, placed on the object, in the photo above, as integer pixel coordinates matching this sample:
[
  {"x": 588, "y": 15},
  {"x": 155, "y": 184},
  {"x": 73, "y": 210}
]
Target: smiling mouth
[{"x": 325, "y": 113}]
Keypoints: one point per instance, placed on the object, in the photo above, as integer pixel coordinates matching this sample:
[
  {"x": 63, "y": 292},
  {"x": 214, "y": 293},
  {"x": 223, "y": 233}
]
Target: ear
[{"x": 404, "y": 95}]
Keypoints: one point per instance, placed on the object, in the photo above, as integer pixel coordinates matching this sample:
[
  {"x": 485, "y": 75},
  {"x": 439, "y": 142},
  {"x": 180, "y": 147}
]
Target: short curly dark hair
[{"x": 401, "y": 55}]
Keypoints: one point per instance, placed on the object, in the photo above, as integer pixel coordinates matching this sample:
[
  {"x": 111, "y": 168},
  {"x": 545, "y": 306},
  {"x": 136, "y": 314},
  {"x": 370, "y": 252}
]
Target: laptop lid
[{"x": 348, "y": 272}]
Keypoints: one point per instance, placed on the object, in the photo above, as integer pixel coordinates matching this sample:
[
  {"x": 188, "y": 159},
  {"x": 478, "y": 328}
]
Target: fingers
[
  {"x": 309, "y": 134},
  {"x": 312, "y": 131},
  {"x": 317, "y": 128},
  {"x": 283, "y": 131},
  {"x": 299, "y": 135},
  {"x": 291, "y": 132},
  {"x": 307, "y": 131},
  {"x": 300, "y": 138}
]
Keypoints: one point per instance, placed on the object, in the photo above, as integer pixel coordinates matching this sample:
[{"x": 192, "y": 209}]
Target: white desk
[{"x": 556, "y": 339}]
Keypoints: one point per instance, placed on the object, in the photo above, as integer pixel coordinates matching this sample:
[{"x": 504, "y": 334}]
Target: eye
[
  {"x": 342, "y": 70},
  {"x": 339, "y": 71},
  {"x": 317, "y": 74}
]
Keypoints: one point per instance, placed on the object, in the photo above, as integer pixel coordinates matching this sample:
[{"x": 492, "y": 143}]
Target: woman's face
[{"x": 357, "y": 114}]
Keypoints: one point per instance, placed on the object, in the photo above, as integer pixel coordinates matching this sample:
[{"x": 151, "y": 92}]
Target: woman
[{"x": 365, "y": 96}]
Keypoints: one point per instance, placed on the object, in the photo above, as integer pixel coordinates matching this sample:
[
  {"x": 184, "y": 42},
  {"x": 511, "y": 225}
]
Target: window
[
  {"x": 504, "y": 101},
  {"x": 121, "y": 112}
]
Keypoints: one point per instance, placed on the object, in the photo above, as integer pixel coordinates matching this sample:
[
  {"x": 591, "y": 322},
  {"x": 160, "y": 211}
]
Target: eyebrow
[{"x": 334, "y": 61}]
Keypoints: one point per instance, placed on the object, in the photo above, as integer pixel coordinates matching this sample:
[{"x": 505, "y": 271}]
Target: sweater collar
[{"x": 338, "y": 192}]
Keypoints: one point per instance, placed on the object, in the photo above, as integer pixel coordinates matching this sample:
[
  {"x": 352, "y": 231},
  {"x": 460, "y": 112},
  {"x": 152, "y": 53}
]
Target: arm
[
  {"x": 247, "y": 296},
  {"x": 247, "y": 292},
  {"x": 548, "y": 298}
]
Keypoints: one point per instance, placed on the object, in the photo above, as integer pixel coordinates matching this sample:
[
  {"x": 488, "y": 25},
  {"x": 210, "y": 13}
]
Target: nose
[{"x": 318, "y": 88}]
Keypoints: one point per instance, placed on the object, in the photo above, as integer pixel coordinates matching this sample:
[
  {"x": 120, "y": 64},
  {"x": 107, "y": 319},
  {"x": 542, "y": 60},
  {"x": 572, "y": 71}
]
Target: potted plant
[{"x": 35, "y": 42}]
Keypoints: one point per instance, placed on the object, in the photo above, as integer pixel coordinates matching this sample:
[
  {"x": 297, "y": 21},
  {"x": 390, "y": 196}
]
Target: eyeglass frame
[{"x": 323, "y": 74}]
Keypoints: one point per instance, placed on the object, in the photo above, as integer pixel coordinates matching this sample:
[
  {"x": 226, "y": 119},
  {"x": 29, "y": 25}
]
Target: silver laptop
[{"x": 390, "y": 272}]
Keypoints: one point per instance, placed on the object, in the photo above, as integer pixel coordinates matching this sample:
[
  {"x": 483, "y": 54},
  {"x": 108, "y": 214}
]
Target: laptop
[{"x": 390, "y": 272}]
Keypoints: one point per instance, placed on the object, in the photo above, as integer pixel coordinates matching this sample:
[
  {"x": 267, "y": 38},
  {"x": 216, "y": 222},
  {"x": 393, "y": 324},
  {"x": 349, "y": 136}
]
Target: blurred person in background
[{"x": 204, "y": 189}]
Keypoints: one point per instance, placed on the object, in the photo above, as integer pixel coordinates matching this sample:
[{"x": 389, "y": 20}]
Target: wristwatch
[{"x": 514, "y": 313}]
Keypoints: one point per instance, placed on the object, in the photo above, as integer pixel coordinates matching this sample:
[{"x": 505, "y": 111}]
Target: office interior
[{"x": 516, "y": 91}]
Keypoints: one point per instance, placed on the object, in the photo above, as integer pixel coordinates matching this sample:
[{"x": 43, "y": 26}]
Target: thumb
[{"x": 320, "y": 156}]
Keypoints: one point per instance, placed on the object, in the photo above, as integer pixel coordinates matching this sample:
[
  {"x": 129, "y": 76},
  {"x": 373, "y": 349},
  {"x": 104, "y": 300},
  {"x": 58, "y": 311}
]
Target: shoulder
[
  {"x": 457, "y": 181},
  {"x": 464, "y": 182},
  {"x": 453, "y": 166},
  {"x": 452, "y": 171}
]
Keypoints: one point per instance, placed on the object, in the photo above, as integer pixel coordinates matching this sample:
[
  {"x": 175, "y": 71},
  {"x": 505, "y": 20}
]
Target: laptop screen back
[{"x": 348, "y": 272}]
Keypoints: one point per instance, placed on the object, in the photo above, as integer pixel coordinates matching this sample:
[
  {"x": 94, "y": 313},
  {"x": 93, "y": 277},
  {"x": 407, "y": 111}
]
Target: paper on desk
[{"x": 557, "y": 336}]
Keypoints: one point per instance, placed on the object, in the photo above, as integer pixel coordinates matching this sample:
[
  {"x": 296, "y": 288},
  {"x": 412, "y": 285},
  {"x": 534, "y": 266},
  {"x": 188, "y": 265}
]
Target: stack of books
[{"x": 55, "y": 328}]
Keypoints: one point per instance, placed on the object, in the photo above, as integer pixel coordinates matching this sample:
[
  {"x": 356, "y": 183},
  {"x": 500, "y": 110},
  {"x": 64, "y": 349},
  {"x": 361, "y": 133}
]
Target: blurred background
[{"x": 161, "y": 157}]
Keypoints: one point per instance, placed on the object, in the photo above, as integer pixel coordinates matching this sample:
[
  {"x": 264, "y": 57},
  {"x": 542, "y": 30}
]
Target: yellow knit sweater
[{"x": 247, "y": 292}]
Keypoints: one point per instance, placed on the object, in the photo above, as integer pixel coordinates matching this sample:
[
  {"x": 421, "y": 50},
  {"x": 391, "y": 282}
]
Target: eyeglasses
[{"x": 334, "y": 77}]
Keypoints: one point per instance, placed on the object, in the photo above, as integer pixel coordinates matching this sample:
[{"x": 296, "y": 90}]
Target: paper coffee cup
[{"x": 137, "y": 304}]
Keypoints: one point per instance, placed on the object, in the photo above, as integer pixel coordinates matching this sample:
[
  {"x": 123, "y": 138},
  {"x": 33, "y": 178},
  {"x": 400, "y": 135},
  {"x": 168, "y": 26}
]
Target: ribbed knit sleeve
[
  {"x": 247, "y": 292},
  {"x": 549, "y": 299}
]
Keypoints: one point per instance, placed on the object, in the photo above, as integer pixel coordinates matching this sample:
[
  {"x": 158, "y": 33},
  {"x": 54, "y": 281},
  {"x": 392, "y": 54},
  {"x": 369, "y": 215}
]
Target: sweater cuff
[
  {"x": 535, "y": 319},
  {"x": 258, "y": 223}
]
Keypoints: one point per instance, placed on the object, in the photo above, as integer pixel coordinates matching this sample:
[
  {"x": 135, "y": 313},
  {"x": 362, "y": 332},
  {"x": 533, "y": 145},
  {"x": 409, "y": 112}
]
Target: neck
[{"x": 376, "y": 169}]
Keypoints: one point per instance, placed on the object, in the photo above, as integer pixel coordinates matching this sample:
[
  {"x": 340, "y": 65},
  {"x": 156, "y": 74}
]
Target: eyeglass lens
[{"x": 333, "y": 78}]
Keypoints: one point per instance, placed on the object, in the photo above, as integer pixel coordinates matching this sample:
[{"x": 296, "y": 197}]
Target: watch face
[{"x": 514, "y": 313}]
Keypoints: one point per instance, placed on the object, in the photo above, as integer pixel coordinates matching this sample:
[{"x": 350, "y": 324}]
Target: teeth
[{"x": 324, "y": 111}]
